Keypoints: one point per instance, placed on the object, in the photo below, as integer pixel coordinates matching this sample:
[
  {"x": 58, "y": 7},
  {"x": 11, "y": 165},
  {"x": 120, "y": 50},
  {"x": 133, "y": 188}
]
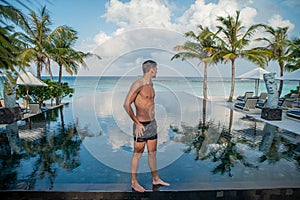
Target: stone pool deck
[
  {"x": 264, "y": 194},
  {"x": 48, "y": 106},
  {"x": 287, "y": 123}
]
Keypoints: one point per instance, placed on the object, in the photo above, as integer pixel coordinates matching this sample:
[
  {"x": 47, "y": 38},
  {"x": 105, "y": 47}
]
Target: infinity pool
[{"x": 87, "y": 146}]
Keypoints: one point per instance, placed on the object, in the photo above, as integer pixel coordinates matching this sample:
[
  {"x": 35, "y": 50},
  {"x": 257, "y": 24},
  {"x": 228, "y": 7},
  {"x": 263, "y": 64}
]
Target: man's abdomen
[{"x": 145, "y": 113}]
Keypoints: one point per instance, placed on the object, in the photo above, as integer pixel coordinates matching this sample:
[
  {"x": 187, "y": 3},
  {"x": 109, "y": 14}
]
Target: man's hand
[{"x": 139, "y": 130}]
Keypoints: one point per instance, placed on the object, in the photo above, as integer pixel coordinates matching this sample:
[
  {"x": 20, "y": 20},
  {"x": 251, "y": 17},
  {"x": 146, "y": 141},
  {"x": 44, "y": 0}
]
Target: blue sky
[{"x": 126, "y": 32}]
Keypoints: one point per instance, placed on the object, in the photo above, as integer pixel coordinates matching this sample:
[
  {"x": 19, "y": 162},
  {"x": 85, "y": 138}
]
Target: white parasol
[
  {"x": 28, "y": 79},
  {"x": 293, "y": 76},
  {"x": 256, "y": 74}
]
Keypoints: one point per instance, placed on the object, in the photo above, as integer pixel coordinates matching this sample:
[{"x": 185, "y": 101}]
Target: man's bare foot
[
  {"x": 160, "y": 182},
  {"x": 137, "y": 187}
]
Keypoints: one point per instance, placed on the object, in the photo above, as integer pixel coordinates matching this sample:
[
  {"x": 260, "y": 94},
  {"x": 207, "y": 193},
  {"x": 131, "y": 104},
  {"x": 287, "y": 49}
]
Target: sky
[{"x": 127, "y": 32}]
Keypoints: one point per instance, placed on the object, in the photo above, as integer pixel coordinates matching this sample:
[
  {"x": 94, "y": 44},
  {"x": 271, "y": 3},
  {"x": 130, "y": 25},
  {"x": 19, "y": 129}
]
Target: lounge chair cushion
[
  {"x": 245, "y": 97},
  {"x": 293, "y": 113},
  {"x": 249, "y": 104},
  {"x": 239, "y": 105}
]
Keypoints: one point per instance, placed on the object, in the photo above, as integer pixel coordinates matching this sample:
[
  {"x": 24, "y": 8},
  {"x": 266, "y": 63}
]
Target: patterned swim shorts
[{"x": 150, "y": 132}]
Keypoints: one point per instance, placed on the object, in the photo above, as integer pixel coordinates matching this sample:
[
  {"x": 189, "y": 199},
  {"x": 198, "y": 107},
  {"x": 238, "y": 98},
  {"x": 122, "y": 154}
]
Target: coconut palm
[
  {"x": 10, "y": 48},
  {"x": 233, "y": 38},
  {"x": 294, "y": 55},
  {"x": 61, "y": 51},
  {"x": 278, "y": 44},
  {"x": 8, "y": 57},
  {"x": 10, "y": 45},
  {"x": 199, "y": 48},
  {"x": 35, "y": 28}
]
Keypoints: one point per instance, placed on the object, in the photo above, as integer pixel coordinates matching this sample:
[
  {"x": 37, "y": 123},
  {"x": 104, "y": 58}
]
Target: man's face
[{"x": 153, "y": 72}]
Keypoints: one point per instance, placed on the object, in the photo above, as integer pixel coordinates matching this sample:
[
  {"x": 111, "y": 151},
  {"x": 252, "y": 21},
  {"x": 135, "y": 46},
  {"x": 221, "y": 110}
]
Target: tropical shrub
[{"x": 40, "y": 94}]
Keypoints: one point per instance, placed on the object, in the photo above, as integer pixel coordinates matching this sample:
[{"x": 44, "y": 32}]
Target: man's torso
[{"x": 144, "y": 103}]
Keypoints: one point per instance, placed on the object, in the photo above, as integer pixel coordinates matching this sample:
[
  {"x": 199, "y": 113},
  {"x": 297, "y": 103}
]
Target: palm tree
[
  {"x": 35, "y": 31},
  {"x": 61, "y": 51},
  {"x": 278, "y": 44},
  {"x": 294, "y": 55},
  {"x": 10, "y": 45},
  {"x": 234, "y": 40},
  {"x": 8, "y": 57},
  {"x": 10, "y": 48},
  {"x": 200, "y": 48}
]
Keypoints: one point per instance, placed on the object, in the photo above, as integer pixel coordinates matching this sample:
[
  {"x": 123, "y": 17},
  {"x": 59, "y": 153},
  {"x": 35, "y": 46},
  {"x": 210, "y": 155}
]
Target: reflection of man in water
[{"x": 142, "y": 95}]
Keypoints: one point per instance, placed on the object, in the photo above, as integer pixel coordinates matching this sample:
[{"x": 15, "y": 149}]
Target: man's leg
[
  {"x": 138, "y": 151},
  {"x": 152, "y": 147}
]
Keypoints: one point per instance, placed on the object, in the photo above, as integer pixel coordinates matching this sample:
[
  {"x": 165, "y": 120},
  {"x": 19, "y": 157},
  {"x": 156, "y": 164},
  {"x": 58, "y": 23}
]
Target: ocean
[{"x": 216, "y": 87}]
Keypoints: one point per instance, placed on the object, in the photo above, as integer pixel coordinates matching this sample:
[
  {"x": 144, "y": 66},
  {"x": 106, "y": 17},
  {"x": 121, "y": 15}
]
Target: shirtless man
[{"x": 142, "y": 95}]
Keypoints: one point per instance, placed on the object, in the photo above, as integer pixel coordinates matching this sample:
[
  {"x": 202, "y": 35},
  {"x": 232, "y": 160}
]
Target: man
[{"x": 142, "y": 95}]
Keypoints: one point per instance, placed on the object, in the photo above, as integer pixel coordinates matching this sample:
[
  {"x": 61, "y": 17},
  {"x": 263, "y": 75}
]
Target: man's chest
[{"x": 147, "y": 92}]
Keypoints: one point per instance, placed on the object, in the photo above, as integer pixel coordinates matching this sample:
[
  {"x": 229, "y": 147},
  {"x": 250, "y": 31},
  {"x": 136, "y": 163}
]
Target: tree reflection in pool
[{"x": 206, "y": 147}]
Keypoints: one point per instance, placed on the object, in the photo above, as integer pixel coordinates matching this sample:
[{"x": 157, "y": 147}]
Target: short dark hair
[{"x": 147, "y": 65}]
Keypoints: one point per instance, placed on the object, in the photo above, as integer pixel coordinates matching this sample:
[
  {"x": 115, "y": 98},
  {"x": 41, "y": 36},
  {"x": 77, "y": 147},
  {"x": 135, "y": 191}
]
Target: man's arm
[{"x": 132, "y": 94}]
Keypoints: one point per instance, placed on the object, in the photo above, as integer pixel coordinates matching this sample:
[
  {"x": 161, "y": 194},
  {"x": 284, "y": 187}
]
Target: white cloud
[
  {"x": 157, "y": 14},
  {"x": 138, "y": 13},
  {"x": 147, "y": 24},
  {"x": 277, "y": 21},
  {"x": 124, "y": 52},
  {"x": 206, "y": 14},
  {"x": 101, "y": 37}
]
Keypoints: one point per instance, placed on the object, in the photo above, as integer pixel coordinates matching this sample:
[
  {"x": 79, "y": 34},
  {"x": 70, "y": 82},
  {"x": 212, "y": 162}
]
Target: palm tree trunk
[
  {"x": 59, "y": 75},
  {"x": 204, "y": 111},
  {"x": 232, "y": 81},
  {"x": 205, "y": 81},
  {"x": 38, "y": 70},
  {"x": 230, "y": 120},
  {"x": 62, "y": 119},
  {"x": 59, "y": 83},
  {"x": 281, "y": 81}
]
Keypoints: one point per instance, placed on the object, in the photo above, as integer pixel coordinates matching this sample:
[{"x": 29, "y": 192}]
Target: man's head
[{"x": 150, "y": 66}]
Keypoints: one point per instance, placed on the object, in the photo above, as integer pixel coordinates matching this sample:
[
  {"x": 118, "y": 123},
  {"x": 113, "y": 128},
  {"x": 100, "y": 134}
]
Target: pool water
[{"x": 87, "y": 146}]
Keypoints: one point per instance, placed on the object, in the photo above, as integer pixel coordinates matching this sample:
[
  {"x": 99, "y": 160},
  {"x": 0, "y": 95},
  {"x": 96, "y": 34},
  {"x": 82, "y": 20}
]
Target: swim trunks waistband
[{"x": 145, "y": 122}]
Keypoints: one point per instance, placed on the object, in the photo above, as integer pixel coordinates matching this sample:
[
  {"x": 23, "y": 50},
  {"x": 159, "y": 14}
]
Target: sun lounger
[
  {"x": 287, "y": 103},
  {"x": 245, "y": 97},
  {"x": 295, "y": 114},
  {"x": 284, "y": 104},
  {"x": 294, "y": 95},
  {"x": 34, "y": 108},
  {"x": 262, "y": 97},
  {"x": 261, "y": 105},
  {"x": 297, "y": 99},
  {"x": 249, "y": 105},
  {"x": 2, "y": 103}
]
